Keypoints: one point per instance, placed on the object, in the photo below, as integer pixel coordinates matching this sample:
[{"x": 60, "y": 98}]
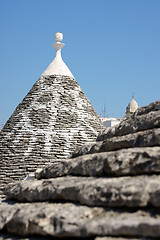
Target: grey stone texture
[
  {"x": 120, "y": 238},
  {"x": 52, "y": 120},
  {"x": 108, "y": 190},
  {"x": 68, "y": 219},
  {"x": 147, "y": 138},
  {"x": 138, "y": 191},
  {"x": 13, "y": 237},
  {"x": 144, "y": 118},
  {"x": 124, "y": 162}
]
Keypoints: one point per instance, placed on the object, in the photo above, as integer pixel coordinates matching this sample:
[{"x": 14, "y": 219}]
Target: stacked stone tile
[
  {"x": 108, "y": 190},
  {"x": 53, "y": 119}
]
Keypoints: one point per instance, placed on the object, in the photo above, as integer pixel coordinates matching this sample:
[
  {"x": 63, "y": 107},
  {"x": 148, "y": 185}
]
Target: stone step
[
  {"x": 121, "y": 238},
  {"x": 142, "y": 120},
  {"x": 5, "y": 236},
  {"x": 139, "y": 191},
  {"x": 70, "y": 220},
  {"x": 148, "y": 138},
  {"x": 152, "y": 107},
  {"x": 131, "y": 161}
]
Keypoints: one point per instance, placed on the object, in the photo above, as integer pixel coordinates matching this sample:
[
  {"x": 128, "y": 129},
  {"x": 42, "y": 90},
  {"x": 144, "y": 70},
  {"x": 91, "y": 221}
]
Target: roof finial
[
  {"x": 58, "y": 37},
  {"x": 57, "y": 66},
  {"x": 58, "y": 45}
]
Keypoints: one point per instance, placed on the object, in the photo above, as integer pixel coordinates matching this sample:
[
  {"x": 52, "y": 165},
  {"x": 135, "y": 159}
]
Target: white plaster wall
[{"x": 110, "y": 122}]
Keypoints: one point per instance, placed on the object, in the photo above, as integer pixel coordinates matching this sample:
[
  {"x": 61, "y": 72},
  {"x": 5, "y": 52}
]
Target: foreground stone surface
[
  {"x": 138, "y": 191},
  {"x": 121, "y": 238},
  {"x": 147, "y": 138},
  {"x": 108, "y": 190},
  {"x": 13, "y": 237},
  {"x": 132, "y": 161},
  {"x": 144, "y": 118},
  {"x": 152, "y": 107},
  {"x": 38, "y": 237},
  {"x": 67, "y": 220}
]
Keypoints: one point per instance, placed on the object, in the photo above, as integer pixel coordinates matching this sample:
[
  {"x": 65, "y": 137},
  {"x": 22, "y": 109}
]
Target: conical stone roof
[{"x": 52, "y": 120}]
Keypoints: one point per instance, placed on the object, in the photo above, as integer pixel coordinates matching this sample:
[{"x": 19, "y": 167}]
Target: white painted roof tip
[
  {"x": 57, "y": 66},
  {"x": 58, "y": 37}
]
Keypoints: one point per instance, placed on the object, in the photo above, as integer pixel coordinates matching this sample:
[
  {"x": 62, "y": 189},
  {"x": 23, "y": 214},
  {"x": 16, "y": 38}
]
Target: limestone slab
[
  {"x": 139, "y": 191},
  {"x": 120, "y": 238},
  {"x": 142, "y": 119},
  {"x": 15, "y": 237},
  {"x": 70, "y": 220},
  {"x": 132, "y": 161},
  {"x": 152, "y": 107},
  {"x": 147, "y": 138}
]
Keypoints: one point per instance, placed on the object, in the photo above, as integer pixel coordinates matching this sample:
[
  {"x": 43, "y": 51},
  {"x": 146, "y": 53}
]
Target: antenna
[{"x": 104, "y": 109}]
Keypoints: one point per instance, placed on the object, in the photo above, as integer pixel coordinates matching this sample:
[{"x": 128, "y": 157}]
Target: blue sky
[{"x": 112, "y": 49}]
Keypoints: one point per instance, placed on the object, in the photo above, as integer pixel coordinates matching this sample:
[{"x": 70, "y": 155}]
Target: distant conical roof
[
  {"x": 52, "y": 120},
  {"x": 132, "y": 106}
]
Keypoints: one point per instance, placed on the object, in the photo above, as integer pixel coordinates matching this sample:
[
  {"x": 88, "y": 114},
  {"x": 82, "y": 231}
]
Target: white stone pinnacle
[
  {"x": 58, "y": 37},
  {"x": 57, "y": 66}
]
